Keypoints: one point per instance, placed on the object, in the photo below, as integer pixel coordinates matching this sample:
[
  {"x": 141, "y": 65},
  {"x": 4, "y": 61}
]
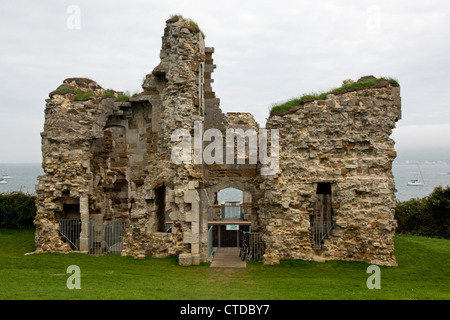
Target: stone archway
[
  {"x": 210, "y": 218},
  {"x": 208, "y": 198}
]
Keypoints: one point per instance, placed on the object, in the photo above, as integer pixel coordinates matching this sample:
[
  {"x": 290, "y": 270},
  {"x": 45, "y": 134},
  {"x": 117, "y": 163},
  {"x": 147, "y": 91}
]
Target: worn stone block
[{"x": 185, "y": 259}]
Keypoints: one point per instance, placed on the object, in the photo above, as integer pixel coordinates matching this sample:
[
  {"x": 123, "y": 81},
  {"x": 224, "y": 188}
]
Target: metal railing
[
  {"x": 168, "y": 222},
  {"x": 210, "y": 242},
  {"x": 256, "y": 245},
  {"x": 69, "y": 230},
  {"x": 232, "y": 211},
  {"x": 320, "y": 231},
  {"x": 106, "y": 237}
]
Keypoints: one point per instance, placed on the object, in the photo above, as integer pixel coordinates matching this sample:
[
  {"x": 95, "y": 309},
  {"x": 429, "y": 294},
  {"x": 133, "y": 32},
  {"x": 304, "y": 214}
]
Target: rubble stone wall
[
  {"x": 69, "y": 129},
  {"x": 344, "y": 141},
  {"x": 173, "y": 90}
]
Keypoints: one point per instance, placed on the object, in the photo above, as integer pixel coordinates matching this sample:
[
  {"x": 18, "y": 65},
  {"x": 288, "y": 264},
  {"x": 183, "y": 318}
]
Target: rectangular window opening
[{"x": 160, "y": 200}]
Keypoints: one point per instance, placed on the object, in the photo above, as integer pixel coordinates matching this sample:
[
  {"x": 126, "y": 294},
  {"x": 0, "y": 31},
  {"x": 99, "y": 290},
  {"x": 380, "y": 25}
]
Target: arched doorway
[{"x": 230, "y": 212}]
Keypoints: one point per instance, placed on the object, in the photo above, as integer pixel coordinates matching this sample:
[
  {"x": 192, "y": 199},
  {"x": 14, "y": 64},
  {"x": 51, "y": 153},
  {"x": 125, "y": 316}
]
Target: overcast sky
[{"x": 265, "y": 52}]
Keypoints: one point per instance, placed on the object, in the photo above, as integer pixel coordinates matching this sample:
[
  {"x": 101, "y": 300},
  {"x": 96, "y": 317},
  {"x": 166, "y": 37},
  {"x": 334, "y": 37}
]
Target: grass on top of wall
[{"x": 278, "y": 108}]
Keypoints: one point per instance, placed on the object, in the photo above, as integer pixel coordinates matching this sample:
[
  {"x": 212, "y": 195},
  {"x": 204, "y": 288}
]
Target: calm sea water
[
  {"x": 433, "y": 175},
  {"x": 25, "y": 179}
]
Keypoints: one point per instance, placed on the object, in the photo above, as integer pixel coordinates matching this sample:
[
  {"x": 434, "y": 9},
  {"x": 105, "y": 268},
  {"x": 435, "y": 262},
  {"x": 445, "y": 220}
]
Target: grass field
[{"x": 423, "y": 273}]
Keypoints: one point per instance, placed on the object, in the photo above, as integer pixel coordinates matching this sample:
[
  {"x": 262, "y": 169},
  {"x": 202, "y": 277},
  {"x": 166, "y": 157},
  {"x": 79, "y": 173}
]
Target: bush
[
  {"x": 429, "y": 216},
  {"x": 124, "y": 97},
  {"x": 80, "y": 95},
  {"x": 17, "y": 210}
]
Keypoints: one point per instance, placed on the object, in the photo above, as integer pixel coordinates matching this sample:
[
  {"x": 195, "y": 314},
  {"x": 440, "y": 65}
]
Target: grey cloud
[{"x": 266, "y": 52}]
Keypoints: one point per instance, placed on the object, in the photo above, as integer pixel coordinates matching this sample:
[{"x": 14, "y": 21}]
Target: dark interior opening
[
  {"x": 224, "y": 238},
  {"x": 71, "y": 211},
  {"x": 323, "y": 188},
  {"x": 322, "y": 219},
  {"x": 160, "y": 200}
]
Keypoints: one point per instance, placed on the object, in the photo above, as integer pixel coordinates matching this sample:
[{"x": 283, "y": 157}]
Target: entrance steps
[{"x": 227, "y": 258}]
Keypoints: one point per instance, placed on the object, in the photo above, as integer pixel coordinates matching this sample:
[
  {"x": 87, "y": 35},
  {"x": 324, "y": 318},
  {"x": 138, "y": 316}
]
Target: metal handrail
[
  {"x": 232, "y": 205},
  {"x": 210, "y": 241}
]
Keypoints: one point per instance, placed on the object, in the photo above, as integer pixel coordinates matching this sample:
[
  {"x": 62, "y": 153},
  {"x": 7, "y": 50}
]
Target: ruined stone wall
[
  {"x": 72, "y": 122},
  {"x": 344, "y": 141},
  {"x": 173, "y": 90}
]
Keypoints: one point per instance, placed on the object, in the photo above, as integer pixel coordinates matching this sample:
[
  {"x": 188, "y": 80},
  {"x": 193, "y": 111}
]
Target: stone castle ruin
[{"x": 109, "y": 169}]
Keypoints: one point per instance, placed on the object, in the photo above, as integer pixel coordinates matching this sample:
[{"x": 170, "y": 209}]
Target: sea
[{"x": 24, "y": 178}]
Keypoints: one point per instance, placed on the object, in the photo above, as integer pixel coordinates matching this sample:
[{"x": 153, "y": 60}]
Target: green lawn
[{"x": 423, "y": 273}]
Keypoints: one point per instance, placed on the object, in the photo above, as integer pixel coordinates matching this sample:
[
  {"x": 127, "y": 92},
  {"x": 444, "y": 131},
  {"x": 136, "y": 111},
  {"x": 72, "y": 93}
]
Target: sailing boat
[
  {"x": 3, "y": 181},
  {"x": 416, "y": 182}
]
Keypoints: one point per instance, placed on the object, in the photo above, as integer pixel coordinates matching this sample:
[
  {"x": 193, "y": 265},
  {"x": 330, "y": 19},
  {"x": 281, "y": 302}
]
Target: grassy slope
[{"x": 423, "y": 273}]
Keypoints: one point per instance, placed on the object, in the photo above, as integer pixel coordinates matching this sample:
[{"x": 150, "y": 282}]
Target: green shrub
[
  {"x": 124, "y": 97},
  {"x": 17, "y": 210},
  {"x": 194, "y": 25},
  {"x": 64, "y": 91},
  {"x": 109, "y": 93},
  {"x": 176, "y": 15},
  {"x": 196, "y": 28},
  {"x": 439, "y": 208},
  {"x": 429, "y": 216},
  {"x": 80, "y": 95}
]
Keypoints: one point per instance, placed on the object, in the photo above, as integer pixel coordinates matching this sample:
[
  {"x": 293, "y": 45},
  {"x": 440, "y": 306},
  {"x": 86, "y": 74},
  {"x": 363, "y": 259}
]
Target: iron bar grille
[
  {"x": 106, "y": 237},
  {"x": 320, "y": 231},
  {"x": 69, "y": 231}
]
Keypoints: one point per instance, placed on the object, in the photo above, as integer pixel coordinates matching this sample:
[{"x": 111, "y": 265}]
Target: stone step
[{"x": 227, "y": 258}]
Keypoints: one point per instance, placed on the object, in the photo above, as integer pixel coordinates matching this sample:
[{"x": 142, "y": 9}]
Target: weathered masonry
[{"x": 110, "y": 184}]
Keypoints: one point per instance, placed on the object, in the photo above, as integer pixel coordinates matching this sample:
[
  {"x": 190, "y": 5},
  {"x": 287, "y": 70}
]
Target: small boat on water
[
  {"x": 5, "y": 174},
  {"x": 415, "y": 182},
  {"x": 3, "y": 181}
]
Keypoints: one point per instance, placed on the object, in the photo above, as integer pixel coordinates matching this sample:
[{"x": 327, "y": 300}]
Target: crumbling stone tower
[{"x": 108, "y": 157}]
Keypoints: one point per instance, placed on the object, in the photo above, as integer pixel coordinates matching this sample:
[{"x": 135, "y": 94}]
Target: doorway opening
[{"x": 322, "y": 218}]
